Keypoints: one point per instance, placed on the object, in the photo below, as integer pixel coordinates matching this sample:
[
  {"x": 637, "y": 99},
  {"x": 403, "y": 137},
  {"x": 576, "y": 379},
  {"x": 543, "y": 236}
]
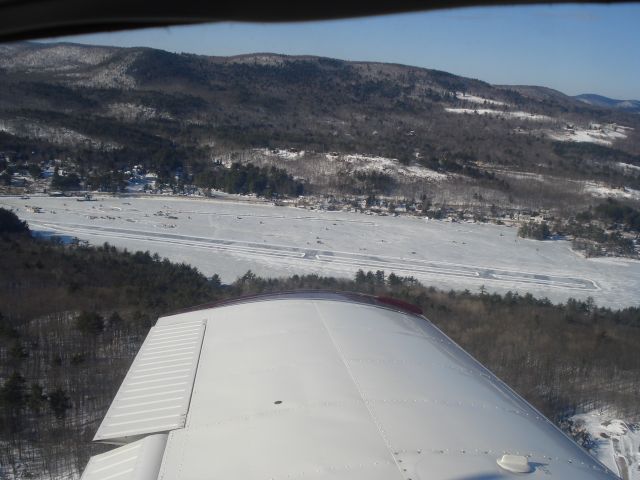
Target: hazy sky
[{"x": 573, "y": 48}]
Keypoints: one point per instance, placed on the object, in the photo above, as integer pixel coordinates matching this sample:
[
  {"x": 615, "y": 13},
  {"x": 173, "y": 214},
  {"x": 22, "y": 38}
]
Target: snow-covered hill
[{"x": 601, "y": 101}]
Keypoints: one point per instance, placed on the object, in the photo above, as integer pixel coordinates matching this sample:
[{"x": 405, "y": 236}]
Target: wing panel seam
[{"x": 359, "y": 390}]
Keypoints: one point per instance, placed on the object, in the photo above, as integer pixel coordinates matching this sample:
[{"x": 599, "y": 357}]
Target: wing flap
[
  {"x": 154, "y": 396},
  {"x": 139, "y": 460}
]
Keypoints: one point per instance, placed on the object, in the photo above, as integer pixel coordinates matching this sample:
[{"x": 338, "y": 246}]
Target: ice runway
[
  {"x": 228, "y": 238},
  {"x": 352, "y": 261}
]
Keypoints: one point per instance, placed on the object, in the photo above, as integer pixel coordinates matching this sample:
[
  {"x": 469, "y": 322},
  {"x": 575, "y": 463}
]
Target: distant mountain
[
  {"x": 107, "y": 109},
  {"x": 601, "y": 101}
]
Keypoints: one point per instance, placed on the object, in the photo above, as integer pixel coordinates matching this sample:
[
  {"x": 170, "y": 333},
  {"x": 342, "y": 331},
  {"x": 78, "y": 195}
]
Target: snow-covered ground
[
  {"x": 595, "y": 189},
  {"x": 317, "y": 167},
  {"x": 27, "y": 472},
  {"x": 476, "y": 99},
  {"x": 603, "y": 191},
  {"x": 562, "y": 132},
  {"x": 230, "y": 237},
  {"x": 391, "y": 166},
  {"x": 136, "y": 112},
  {"x": 290, "y": 154},
  {"x": 617, "y": 443},
  {"x": 600, "y": 134},
  {"x": 628, "y": 166},
  {"x": 54, "y": 134},
  {"x": 500, "y": 114}
]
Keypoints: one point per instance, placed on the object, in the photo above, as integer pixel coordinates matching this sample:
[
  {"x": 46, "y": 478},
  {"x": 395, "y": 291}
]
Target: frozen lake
[{"x": 229, "y": 237}]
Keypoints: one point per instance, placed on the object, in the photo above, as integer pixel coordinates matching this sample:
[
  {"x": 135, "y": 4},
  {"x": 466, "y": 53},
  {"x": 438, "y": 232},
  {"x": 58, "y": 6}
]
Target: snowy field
[
  {"x": 617, "y": 443},
  {"x": 605, "y": 134},
  {"x": 230, "y": 237},
  {"x": 476, "y": 99},
  {"x": 501, "y": 114}
]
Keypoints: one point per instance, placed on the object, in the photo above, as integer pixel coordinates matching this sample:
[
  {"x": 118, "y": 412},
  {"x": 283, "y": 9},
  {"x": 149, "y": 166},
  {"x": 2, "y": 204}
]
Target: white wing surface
[{"x": 311, "y": 387}]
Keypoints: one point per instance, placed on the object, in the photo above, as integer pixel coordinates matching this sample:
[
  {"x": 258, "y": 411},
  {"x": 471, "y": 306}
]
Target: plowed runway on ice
[{"x": 229, "y": 237}]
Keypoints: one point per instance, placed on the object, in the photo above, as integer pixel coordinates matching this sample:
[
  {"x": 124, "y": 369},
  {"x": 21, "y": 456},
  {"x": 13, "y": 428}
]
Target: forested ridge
[
  {"x": 104, "y": 109},
  {"x": 73, "y": 317}
]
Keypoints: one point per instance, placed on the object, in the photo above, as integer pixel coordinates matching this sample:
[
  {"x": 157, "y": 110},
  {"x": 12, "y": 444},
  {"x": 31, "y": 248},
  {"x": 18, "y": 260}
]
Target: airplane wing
[{"x": 321, "y": 386}]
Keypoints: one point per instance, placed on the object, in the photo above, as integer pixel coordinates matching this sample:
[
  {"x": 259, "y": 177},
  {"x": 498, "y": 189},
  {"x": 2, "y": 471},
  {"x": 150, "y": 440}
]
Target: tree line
[{"x": 597, "y": 231}]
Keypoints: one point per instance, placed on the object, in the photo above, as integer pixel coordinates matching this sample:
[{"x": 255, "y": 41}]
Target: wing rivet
[{"x": 515, "y": 463}]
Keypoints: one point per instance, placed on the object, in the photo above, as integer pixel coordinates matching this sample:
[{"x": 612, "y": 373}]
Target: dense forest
[
  {"x": 613, "y": 211},
  {"x": 72, "y": 318},
  {"x": 597, "y": 231},
  {"x": 262, "y": 181}
]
